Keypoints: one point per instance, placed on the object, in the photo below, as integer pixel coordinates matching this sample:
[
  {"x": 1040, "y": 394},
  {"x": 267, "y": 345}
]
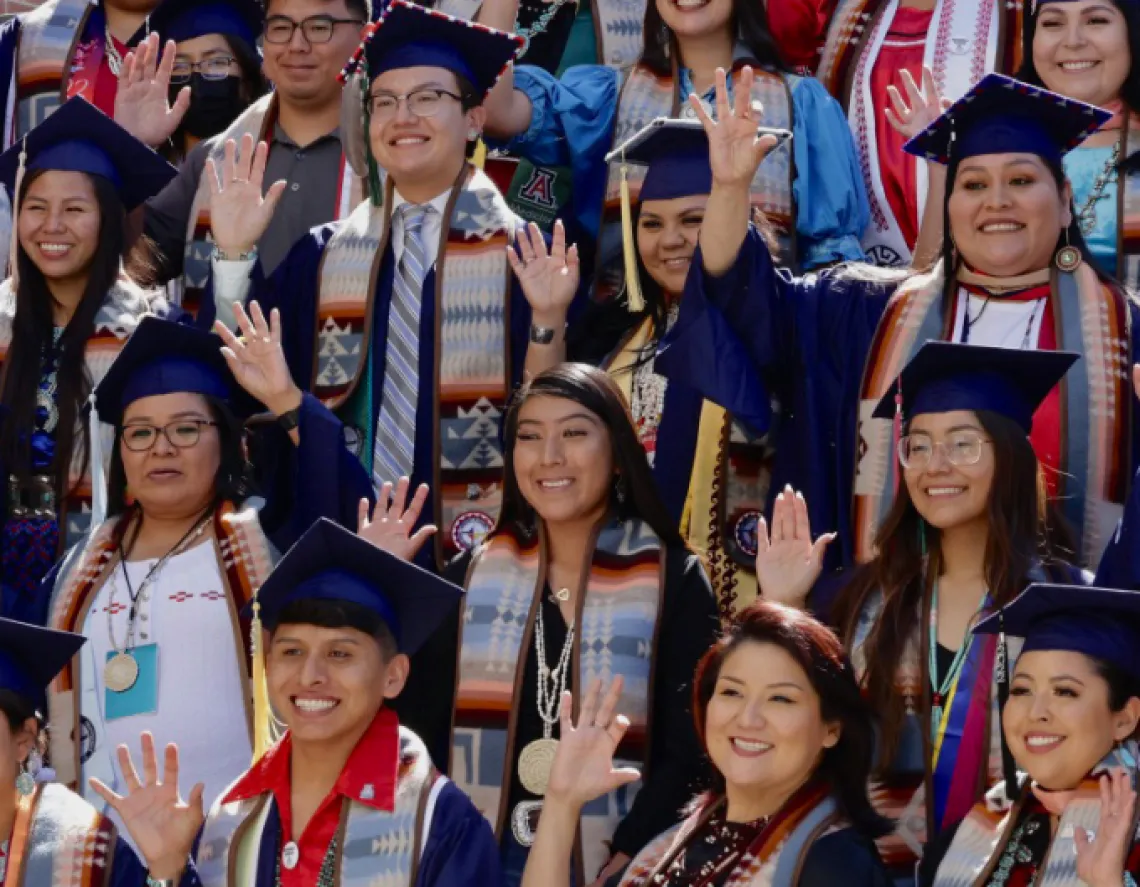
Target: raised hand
[
  {"x": 584, "y": 764},
  {"x": 548, "y": 279},
  {"x": 919, "y": 109},
  {"x": 1100, "y": 860},
  {"x": 736, "y": 149},
  {"x": 239, "y": 214},
  {"x": 391, "y": 525},
  {"x": 787, "y": 561},
  {"x": 257, "y": 359},
  {"x": 142, "y": 102},
  {"x": 162, "y": 825}
]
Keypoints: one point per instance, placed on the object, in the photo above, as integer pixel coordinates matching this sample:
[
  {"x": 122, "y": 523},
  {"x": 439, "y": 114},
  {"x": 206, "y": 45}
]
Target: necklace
[
  {"x": 537, "y": 758},
  {"x": 122, "y": 669},
  {"x": 941, "y": 689},
  {"x": 648, "y": 396},
  {"x": 540, "y": 24},
  {"x": 114, "y": 60},
  {"x": 969, "y": 322},
  {"x": 1086, "y": 216},
  {"x": 729, "y": 841}
]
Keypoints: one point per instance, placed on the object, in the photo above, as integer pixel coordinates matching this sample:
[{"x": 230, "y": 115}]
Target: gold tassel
[
  {"x": 14, "y": 243},
  {"x": 262, "y": 714},
  {"x": 635, "y": 302},
  {"x": 479, "y": 157}
]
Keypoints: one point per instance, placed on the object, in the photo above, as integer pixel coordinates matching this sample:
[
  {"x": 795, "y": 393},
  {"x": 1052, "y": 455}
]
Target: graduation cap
[
  {"x": 163, "y": 357},
  {"x": 81, "y": 138},
  {"x": 180, "y": 20},
  {"x": 409, "y": 35},
  {"x": 30, "y": 656},
  {"x": 946, "y": 376},
  {"x": 676, "y": 153},
  {"x": 1001, "y": 115}
]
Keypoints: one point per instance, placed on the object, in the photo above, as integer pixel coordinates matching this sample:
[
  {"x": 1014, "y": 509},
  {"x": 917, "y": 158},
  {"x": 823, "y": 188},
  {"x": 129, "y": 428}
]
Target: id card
[{"x": 142, "y": 697}]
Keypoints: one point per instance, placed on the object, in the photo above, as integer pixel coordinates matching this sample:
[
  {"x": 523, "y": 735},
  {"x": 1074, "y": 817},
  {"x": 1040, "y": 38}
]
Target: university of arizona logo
[{"x": 539, "y": 188}]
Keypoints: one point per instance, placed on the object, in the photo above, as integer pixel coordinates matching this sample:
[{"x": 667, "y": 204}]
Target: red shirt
[
  {"x": 799, "y": 28},
  {"x": 902, "y": 50},
  {"x": 368, "y": 777},
  {"x": 90, "y": 66}
]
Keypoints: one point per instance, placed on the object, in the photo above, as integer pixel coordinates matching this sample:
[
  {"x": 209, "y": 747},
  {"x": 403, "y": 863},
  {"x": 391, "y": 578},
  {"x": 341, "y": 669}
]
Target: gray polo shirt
[{"x": 313, "y": 174}]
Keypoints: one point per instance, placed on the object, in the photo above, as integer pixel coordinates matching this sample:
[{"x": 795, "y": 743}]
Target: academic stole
[
  {"x": 727, "y": 487},
  {"x": 472, "y": 346},
  {"x": 951, "y": 762},
  {"x": 123, "y": 308},
  {"x": 1128, "y": 212},
  {"x": 244, "y": 561},
  {"x": 59, "y": 840},
  {"x": 1090, "y": 318},
  {"x": 773, "y": 859},
  {"x": 257, "y": 121},
  {"x": 374, "y": 847},
  {"x": 617, "y": 623},
  {"x": 644, "y": 97},
  {"x": 984, "y": 834},
  {"x": 966, "y": 40}
]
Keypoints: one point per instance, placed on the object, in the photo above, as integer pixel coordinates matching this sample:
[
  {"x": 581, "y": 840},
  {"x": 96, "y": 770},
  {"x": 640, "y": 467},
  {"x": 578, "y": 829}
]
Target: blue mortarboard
[
  {"x": 676, "y": 153},
  {"x": 163, "y": 357},
  {"x": 1100, "y": 622},
  {"x": 330, "y": 563},
  {"x": 30, "y": 656},
  {"x": 180, "y": 20},
  {"x": 947, "y": 376},
  {"x": 409, "y": 35},
  {"x": 81, "y": 138},
  {"x": 1001, "y": 115}
]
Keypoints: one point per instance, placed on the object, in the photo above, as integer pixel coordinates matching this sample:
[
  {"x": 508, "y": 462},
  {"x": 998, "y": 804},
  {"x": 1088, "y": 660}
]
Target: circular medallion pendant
[
  {"x": 1068, "y": 259},
  {"x": 121, "y": 672},
  {"x": 535, "y": 764}
]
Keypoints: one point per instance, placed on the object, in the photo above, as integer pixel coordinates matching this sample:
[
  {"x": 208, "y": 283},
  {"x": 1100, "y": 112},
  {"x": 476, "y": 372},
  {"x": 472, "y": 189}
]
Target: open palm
[
  {"x": 736, "y": 149},
  {"x": 787, "y": 561},
  {"x": 921, "y": 107},
  {"x": 392, "y": 524},
  {"x": 1100, "y": 860},
  {"x": 257, "y": 359},
  {"x": 239, "y": 214},
  {"x": 142, "y": 100},
  {"x": 548, "y": 279},
  {"x": 162, "y": 825}
]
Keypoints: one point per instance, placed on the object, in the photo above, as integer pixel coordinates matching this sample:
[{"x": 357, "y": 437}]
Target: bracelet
[
  {"x": 542, "y": 335},
  {"x": 155, "y": 882},
  {"x": 248, "y": 256}
]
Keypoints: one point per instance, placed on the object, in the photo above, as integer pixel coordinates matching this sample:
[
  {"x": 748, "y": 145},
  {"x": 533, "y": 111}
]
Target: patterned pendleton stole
[
  {"x": 646, "y": 96},
  {"x": 956, "y": 767},
  {"x": 727, "y": 488},
  {"x": 257, "y": 121},
  {"x": 126, "y": 304},
  {"x": 59, "y": 840},
  {"x": 1128, "y": 214},
  {"x": 1091, "y": 319},
  {"x": 244, "y": 561},
  {"x": 618, "y": 616},
  {"x": 377, "y": 848},
  {"x": 773, "y": 859},
  {"x": 472, "y": 373}
]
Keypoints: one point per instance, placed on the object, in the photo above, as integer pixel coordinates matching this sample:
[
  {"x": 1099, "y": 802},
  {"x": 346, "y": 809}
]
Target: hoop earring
[{"x": 1068, "y": 258}]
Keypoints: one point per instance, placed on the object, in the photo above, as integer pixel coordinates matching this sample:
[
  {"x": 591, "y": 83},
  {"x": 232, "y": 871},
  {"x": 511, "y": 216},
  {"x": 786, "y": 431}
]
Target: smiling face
[
  {"x": 1007, "y": 213},
  {"x": 763, "y": 725},
  {"x": 563, "y": 460},
  {"x": 327, "y": 684},
  {"x": 59, "y": 224},
  {"x": 1080, "y": 50},
  {"x": 424, "y": 153},
  {"x": 167, "y": 480},
  {"x": 305, "y": 74},
  {"x": 1058, "y": 721},
  {"x": 946, "y": 495},
  {"x": 667, "y": 233},
  {"x": 695, "y": 18}
]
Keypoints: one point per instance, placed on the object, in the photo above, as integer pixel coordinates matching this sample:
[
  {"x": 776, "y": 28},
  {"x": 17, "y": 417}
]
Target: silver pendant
[
  {"x": 524, "y": 822},
  {"x": 121, "y": 672},
  {"x": 290, "y": 855}
]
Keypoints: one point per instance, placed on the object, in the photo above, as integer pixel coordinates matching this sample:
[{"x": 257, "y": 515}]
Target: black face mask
[{"x": 214, "y": 104}]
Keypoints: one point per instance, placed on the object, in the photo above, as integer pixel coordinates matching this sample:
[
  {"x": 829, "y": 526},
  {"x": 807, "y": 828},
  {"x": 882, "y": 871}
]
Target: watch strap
[{"x": 290, "y": 419}]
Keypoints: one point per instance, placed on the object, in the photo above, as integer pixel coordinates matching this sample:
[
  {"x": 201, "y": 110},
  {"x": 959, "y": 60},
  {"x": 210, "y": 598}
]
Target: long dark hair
[
  {"x": 32, "y": 330},
  {"x": 749, "y": 25},
  {"x": 254, "y": 84},
  {"x": 1129, "y": 92},
  {"x": 910, "y": 558},
  {"x": 593, "y": 389},
  {"x": 231, "y": 483},
  {"x": 847, "y": 765}
]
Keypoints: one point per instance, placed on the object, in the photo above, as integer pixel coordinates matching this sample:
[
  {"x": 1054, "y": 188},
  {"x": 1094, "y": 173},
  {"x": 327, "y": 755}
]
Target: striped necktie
[{"x": 394, "y": 451}]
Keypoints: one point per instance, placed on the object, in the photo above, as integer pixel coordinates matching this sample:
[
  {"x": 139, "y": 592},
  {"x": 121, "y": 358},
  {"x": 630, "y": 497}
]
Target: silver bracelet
[{"x": 247, "y": 256}]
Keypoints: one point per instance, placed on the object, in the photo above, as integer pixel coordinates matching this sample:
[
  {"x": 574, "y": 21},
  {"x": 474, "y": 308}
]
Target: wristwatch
[
  {"x": 290, "y": 419},
  {"x": 541, "y": 335}
]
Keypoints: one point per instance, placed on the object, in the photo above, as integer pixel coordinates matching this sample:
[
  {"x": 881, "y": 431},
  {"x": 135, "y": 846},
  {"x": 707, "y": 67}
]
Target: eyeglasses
[
  {"x": 316, "y": 28},
  {"x": 216, "y": 67},
  {"x": 182, "y": 434},
  {"x": 424, "y": 102},
  {"x": 960, "y": 448}
]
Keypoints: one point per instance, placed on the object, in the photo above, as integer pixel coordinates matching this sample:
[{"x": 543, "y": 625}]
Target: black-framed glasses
[
  {"x": 424, "y": 102},
  {"x": 182, "y": 433},
  {"x": 960, "y": 448},
  {"x": 216, "y": 67},
  {"x": 316, "y": 28}
]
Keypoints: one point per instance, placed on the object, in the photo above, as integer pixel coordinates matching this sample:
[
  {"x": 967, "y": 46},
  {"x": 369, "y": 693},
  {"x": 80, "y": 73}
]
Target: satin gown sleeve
[{"x": 460, "y": 850}]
